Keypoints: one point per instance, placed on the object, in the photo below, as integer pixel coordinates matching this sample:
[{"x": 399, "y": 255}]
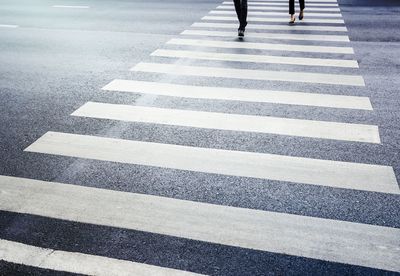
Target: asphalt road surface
[{"x": 143, "y": 138}]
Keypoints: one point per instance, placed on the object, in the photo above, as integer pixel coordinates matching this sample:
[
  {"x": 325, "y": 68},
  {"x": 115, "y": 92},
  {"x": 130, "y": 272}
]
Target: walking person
[
  {"x": 292, "y": 11},
  {"x": 241, "y": 11}
]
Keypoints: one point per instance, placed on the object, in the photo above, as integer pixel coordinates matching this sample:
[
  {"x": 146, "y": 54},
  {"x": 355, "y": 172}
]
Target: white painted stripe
[
  {"x": 329, "y": 173},
  {"x": 259, "y": 13},
  {"x": 311, "y": 237},
  {"x": 251, "y": 3},
  {"x": 295, "y": 27},
  {"x": 275, "y": 8},
  {"x": 287, "y": 36},
  {"x": 220, "y": 72},
  {"x": 345, "y": 63},
  {"x": 261, "y": 46},
  {"x": 71, "y": 7},
  {"x": 8, "y": 26},
  {"x": 238, "y": 94},
  {"x": 74, "y": 262},
  {"x": 311, "y": 1},
  {"x": 233, "y": 122},
  {"x": 272, "y": 19}
]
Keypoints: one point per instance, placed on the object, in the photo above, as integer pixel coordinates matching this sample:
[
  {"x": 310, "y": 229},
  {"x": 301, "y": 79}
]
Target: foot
[
  {"x": 241, "y": 33},
  {"x": 292, "y": 19},
  {"x": 301, "y": 15}
]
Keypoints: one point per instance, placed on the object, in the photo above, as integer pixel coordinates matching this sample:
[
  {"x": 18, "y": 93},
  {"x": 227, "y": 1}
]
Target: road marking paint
[
  {"x": 295, "y": 27},
  {"x": 272, "y": 19},
  {"x": 74, "y": 262},
  {"x": 275, "y": 8},
  {"x": 311, "y": 237},
  {"x": 251, "y": 3},
  {"x": 287, "y": 36},
  {"x": 311, "y": 1},
  {"x": 233, "y": 122},
  {"x": 71, "y": 7},
  {"x": 220, "y": 72},
  {"x": 329, "y": 173},
  {"x": 239, "y": 94},
  {"x": 8, "y": 26},
  {"x": 345, "y": 63},
  {"x": 259, "y": 13},
  {"x": 261, "y": 46}
]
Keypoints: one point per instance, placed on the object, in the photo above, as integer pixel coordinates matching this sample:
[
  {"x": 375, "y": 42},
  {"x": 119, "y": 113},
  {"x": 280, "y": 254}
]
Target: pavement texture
[{"x": 59, "y": 59}]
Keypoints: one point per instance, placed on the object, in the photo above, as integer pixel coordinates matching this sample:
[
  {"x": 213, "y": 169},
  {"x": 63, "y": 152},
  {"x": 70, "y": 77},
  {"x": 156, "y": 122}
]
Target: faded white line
[
  {"x": 296, "y": 27},
  {"x": 71, "y": 7},
  {"x": 239, "y": 94},
  {"x": 329, "y": 173},
  {"x": 8, "y": 26},
  {"x": 261, "y": 46},
  {"x": 345, "y": 63},
  {"x": 264, "y": 35},
  {"x": 73, "y": 262},
  {"x": 272, "y": 19},
  {"x": 233, "y": 122},
  {"x": 317, "y": 238},
  {"x": 220, "y": 72},
  {"x": 259, "y": 13}
]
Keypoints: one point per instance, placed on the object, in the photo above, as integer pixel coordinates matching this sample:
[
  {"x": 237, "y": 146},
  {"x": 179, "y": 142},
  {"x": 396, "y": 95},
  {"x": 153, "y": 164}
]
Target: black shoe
[
  {"x": 292, "y": 20},
  {"x": 301, "y": 15},
  {"x": 241, "y": 33}
]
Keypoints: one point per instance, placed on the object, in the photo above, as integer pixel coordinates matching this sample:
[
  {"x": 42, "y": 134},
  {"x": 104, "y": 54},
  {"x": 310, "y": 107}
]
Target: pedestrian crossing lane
[
  {"x": 263, "y": 75},
  {"x": 239, "y": 94},
  {"x": 226, "y": 162},
  {"x": 252, "y": 19},
  {"x": 317, "y": 238},
  {"x": 233, "y": 122},
  {"x": 311, "y": 237},
  {"x": 296, "y": 27}
]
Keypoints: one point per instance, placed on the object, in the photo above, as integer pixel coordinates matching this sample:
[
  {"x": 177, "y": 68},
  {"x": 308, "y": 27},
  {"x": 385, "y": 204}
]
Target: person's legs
[
  {"x": 237, "y": 8},
  {"x": 243, "y": 15},
  {"x": 302, "y": 5},
  {"x": 291, "y": 7}
]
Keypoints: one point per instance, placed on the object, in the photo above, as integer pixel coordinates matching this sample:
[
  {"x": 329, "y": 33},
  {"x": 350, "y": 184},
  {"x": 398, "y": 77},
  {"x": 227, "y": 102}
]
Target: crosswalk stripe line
[
  {"x": 8, "y": 26},
  {"x": 311, "y": 1},
  {"x": 319, "y": 172},
  {"x": 311, "y": 237},
  {"x": 74, "y": 262},
  {"x": 261, "y": 46},
  {"x": 345, "y": 63},
  {"x": 230, "y": 7},
  {"x": 203, "y": 71},
  {"x": 272, "y": 27},
  {"x": 232, "y": 122},
  {"x": 251, "y": 3},
  {"x": 259, "y": 13},
  {"x": 287, "y": 36},
  {"x": 239, "y": 94},
  {"x": 71, "y": 7},
  {"x": 272, "y": 19}
]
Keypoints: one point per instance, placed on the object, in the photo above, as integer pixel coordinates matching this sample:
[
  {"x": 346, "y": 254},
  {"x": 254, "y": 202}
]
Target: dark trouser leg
[
  {"x": 302, "y": 6},
  {"x": 291, "y": 6},
  {"x": 237, "y": 8},
  {"x": 243, "y": 15},
  {"x": 241, "y": 11}
]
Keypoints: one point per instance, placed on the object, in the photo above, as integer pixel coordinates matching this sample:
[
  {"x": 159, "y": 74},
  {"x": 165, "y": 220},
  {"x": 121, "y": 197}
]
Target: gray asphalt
[{"x": 58, "y": 59}]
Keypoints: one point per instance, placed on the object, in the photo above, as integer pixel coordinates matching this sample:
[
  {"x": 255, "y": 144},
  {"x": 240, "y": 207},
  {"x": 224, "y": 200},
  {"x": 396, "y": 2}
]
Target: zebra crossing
[{"x": 313, "y": 49}]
